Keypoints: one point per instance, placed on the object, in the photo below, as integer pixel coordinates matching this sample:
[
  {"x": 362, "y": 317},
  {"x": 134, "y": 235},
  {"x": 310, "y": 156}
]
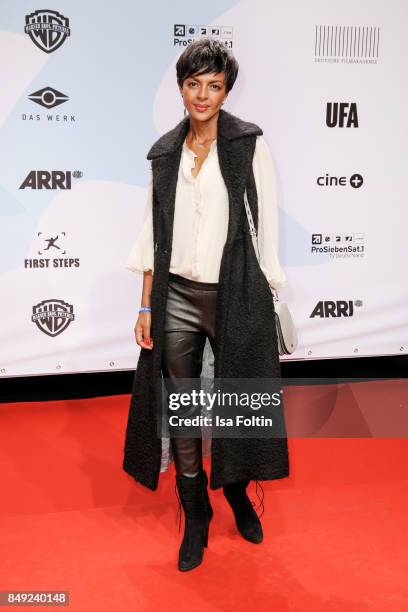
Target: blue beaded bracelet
[{"x": 145, "y": 309}]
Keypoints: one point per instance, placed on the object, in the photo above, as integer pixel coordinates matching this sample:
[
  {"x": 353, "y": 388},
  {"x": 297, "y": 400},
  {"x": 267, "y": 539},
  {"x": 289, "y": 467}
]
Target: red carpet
[{"x": 335, "y": 532}]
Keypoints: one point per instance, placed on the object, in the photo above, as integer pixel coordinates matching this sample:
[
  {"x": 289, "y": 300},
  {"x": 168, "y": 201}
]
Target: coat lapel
[
  {"x": 229, "y": 127},
  {"x": 165, "y": 155}
]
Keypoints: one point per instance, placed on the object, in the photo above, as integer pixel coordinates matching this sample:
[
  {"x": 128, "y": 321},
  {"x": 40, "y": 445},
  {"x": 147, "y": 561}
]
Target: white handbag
[{"x": 285, "y": 327}]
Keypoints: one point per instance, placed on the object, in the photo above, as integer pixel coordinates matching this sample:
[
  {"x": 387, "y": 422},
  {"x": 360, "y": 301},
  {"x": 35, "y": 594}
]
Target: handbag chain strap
[{"x": 252, "y": 231}]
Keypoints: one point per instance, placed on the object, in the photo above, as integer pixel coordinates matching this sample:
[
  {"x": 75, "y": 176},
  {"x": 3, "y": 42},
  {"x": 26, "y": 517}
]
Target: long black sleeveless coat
[{"x": 246, "y": 341}]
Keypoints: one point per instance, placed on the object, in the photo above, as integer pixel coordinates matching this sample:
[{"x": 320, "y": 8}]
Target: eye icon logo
[
  {"x": 47, "y": 29},
  {"x": 48, "y": 97},
  {"x": 53, "y": 316}
]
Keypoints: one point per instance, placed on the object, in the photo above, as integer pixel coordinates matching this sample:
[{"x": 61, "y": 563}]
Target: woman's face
[{"x": 203, "y": 95}]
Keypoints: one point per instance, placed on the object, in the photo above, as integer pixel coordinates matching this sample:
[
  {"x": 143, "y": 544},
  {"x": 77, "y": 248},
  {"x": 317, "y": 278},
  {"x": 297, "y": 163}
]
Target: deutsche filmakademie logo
[
  {"x": 47, "y": 29},
  {"x": 48, "y": 97},
  {"x": 346, "y": 44},
  {"x": 52, "y": 317}
]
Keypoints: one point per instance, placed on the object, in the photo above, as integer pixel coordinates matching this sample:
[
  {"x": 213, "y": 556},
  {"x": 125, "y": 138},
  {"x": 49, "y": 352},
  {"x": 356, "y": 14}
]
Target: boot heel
[
  {"x": 197, "y": 508},
  {"x": 246, "y": 519}
]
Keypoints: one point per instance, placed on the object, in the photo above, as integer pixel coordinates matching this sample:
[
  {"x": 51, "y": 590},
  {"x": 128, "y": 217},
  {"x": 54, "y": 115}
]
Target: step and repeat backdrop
[{"x": 87, "y": 87}]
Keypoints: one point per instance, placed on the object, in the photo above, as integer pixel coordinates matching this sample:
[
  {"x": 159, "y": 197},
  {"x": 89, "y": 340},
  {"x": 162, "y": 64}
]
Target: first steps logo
[
  {"x": 47, "y": 29},
  {"x": 52, "y": 317},
  {"x": 53, "y": 253}
]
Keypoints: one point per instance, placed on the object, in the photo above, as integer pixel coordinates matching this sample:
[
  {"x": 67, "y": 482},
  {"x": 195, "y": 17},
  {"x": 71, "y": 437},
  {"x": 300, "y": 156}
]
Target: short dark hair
[{"x": 207, "y": 55}]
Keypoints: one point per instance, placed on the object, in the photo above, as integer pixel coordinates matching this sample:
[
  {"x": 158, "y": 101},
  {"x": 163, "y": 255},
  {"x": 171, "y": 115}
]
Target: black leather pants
[{"x": 190, "y": 319}]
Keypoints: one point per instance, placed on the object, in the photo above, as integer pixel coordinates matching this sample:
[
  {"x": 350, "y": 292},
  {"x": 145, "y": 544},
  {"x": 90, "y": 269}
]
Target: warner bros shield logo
[
  {"x": 53, "y": 316},
  {"x": 47, "y": 29}
]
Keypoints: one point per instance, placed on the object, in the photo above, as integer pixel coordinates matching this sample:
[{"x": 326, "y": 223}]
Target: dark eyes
[{"x": 213, "y": 84}]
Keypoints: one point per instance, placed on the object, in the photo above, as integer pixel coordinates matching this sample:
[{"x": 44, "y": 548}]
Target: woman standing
[{"x": 202, "y": 280}]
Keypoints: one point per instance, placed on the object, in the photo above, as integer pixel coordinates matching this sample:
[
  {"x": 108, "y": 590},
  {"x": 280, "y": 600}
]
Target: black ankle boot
[
  {"x": 246, "y": 518},
  {"x": 198, "y": 514}
]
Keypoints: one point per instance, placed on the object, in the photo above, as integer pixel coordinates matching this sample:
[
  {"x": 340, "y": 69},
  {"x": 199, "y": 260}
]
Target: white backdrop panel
[{"x": 121, "y": 94}]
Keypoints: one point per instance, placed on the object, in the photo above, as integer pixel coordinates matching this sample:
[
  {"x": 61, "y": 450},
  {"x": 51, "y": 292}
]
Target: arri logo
[
  {"x": 53, "y": 316},
  {"x": 56, "y": 179},
  {"x": 47, "y": 29},
  {"x": 341, "y": 114},
  {"x": 48, "y": 97},
  {"x": 339, "y": 308}
]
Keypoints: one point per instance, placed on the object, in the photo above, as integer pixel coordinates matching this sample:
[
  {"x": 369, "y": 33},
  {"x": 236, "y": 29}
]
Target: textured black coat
[{"x": 246, "y": 342}]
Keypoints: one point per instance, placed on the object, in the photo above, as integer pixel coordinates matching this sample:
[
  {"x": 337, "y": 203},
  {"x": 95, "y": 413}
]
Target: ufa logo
[
  {"x": 53, "y": 316},
  {"x": 341, "y": 114},
  {"x": 47, "y": 29},
  {"x": 56, "y": 179}
]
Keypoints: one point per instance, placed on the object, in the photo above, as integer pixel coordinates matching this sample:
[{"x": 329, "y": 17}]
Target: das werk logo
[
  {"x": 48, "y": 97},
  {"x": 47, "y": 29},
  {"x": 52, "y": 317},
  {"x": 56, "y": 179}
]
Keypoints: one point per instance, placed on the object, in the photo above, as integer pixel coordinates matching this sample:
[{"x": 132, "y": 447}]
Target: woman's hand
[{"x": 142, "y": 330}]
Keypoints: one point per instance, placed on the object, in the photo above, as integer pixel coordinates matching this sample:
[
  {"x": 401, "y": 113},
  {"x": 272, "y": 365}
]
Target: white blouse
[{"x": 201, "y": 220}]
